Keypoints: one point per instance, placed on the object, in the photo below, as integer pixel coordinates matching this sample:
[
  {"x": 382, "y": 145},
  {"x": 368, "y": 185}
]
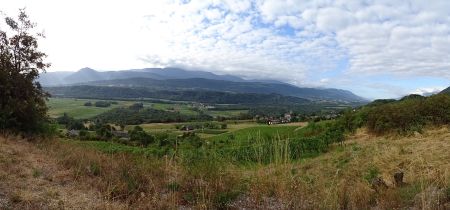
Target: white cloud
[
  {"x": 428, "y": 90},
  {"x": 333, "y": 19},
  {"x": 298, "y": 41}
]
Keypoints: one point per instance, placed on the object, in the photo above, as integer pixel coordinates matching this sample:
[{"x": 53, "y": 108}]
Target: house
[
  {"x": 281, "y": 120},
  {"x": 287, "y": 117},
  {"x": 273, "y": 121}
]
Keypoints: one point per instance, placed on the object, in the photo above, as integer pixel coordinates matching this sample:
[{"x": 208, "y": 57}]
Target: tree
[
  {"x": 140, "y": 136},
  {"x": 22, "y": 99}
]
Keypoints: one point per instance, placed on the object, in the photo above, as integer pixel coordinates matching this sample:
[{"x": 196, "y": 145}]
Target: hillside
[
  {"x": 51, "y": 175},
  {"x": 203, "y": 96},
  {"x": 88, "y": 74},
  {"x": 447, "y": 90},
  {"x": 237, "y": 87},
  {"x": 173, "y": 79},
  {"x": 31, "y": 178}
]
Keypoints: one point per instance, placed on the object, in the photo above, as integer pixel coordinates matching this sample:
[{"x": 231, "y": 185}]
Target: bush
[
  {"x": 140, "y": 136},
  {"x": 70, "y": 122},
  {"x": 102, "y": 104},
  {"x": 137, "y": 106},
  {"x": 88, "y": 103},
  {"x": 409, "y": 115}
]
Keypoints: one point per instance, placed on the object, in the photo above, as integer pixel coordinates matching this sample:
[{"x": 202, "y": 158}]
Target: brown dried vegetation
[{"x": 58, "y": 174}]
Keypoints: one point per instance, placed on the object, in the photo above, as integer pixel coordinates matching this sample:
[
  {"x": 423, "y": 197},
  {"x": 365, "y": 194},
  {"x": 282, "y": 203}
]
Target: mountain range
[
  {"x": 175, "y": 79},
  {"x": 447, "y": 90},
  {"x": 88, "y": 75}
]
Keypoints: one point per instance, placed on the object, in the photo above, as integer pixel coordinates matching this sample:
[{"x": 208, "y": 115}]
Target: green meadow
[{"x": 76, "y": 109}]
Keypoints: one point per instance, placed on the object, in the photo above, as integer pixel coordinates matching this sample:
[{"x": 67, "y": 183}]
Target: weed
[
  {"x": 36, "y": 173},
  {"x": 222, "y": 199},
  {"x": 409, "y": 191},
  {"x": 94, "y": 169},
  {"x": 372, "y": 173},
  {"x": 173, "y": 186}
]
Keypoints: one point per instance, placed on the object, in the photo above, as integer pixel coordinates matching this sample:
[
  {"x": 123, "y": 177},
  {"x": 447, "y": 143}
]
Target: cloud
[
  {"x": 428, "y": 91},
  {"x": 385, "y": 37},
  {"x": 301, "y": 42}
]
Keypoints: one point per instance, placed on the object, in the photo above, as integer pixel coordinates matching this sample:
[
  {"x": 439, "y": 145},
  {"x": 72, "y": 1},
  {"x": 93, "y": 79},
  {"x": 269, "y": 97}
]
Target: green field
[
  {"x": 239, "y": 129},
  {"x": 182, "y": 108},
  {"x": 226, "y": 113},
  {"x": 75, "y": 107},
  {"x": 259, "y": 131}
]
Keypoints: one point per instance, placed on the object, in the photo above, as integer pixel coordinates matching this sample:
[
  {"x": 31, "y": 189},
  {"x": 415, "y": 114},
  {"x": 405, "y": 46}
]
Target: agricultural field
[
  {"x": 226, "y": 113},
  {"x": 258, "y": 131},
  {"x": 76, "y": 109},
  {"x": 182, "y": 108},
  {"x": 237, "y": 128}
]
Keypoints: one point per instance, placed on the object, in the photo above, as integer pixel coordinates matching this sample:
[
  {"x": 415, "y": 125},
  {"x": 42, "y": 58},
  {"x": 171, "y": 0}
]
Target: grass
[
  {"x": 232, "y": 126},
  {"x": 249, "y": 133},
  {"x": 226, "y": 113},
  {"x": 333, "y": 180},
  {"x": 36, "y": 173},
  {"x": 75, "y": 107},
  {"x": 182, "y": 108}
]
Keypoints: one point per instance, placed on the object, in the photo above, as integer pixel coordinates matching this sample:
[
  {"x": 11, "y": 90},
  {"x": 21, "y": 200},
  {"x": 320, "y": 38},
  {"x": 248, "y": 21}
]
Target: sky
[{"x": 374, "y": 48}]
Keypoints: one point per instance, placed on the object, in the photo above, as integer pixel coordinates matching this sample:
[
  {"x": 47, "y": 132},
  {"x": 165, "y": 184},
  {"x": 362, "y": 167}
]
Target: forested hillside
[
  {"x": 204, "y": 96},
  {"x": 236, "y": 87}
]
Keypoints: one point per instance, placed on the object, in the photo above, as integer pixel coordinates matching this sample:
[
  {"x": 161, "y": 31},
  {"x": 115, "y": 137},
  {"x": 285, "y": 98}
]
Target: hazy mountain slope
[
  {"x": 54, "y": 78},
  {"x": 447, "y": 90},
  {"x": 214, "y": 97},
  {"x": 238, "y": 87},
  {"x": 88, "y": 74},
  {"x": 176, "y": 73},
  {"x": 179, "y": 79}
]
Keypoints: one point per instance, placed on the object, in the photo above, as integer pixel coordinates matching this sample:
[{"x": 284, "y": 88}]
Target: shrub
[
  {"x": 102, "y": 104},
  {"x": 140, "y": 136},
  {"x": 409, "y": 115},
  {"x": 372, "y": 173},
  {"x": 137, "y": 106}
]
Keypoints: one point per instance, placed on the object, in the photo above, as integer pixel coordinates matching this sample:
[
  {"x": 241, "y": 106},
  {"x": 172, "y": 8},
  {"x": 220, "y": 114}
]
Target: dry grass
[
  {"x": 62, "y": 174},
  {"x": 29, "y": 179}
]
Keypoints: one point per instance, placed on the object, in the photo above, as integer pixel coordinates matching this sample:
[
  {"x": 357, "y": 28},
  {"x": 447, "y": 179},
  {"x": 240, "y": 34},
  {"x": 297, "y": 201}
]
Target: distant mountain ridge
[
  {"x": 447, "y": 90},
  {"x": 230, "y": 86},
  {"x": 175, "y": 79},
  {"x": 88, "y": 75}
]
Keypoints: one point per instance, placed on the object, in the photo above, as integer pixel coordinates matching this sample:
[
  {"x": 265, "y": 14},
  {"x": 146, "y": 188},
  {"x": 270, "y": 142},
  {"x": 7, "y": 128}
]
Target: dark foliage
[
  {"x": 410, "y": 114},
  {"x": 140, "y": 136},
  {"x": 129, "y": 116},
  {"x": 70, "y": 122},
  {"x": 202, "y": 96},
  {"x": 102, "y": 104},
  {"x": 137, "y": 106},
  {"x": 22, "y": 100}
]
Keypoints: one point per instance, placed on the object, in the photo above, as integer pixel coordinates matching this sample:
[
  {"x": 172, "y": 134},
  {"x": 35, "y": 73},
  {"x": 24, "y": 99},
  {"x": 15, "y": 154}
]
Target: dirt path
[{"x": 29, "y": 179}]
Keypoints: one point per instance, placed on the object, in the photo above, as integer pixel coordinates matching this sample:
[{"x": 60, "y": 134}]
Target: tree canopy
[{"x": 22, "y": 99}]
